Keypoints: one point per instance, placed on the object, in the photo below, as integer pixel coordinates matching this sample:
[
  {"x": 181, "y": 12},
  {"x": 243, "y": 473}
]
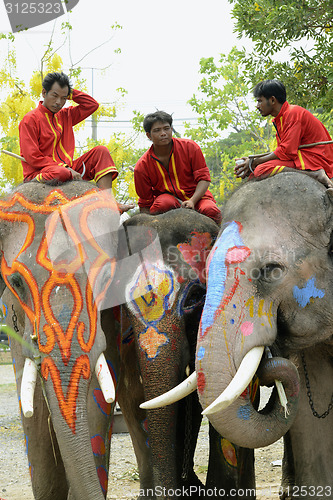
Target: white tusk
[
  {"x": 280, "y": 389},
  {"x": 28, "y": 385},
  {"x": 105, "y": 380},
  {"x": 239, "y": 383},
  {"x": 168, "y": 398}
]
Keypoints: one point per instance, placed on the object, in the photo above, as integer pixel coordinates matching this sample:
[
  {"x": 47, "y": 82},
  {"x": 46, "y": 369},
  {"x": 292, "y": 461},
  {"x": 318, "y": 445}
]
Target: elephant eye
[
  {"x": 193, "y": 297},
  {"x": 272, "y": 271},
  {"x": 15, "y": 280}
]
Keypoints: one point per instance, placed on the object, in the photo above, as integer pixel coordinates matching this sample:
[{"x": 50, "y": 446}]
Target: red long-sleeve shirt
[
  {"x": 187, "y": 166},
  {"x": 296, "y": 126},
  {"x": 47, "y": 138}
]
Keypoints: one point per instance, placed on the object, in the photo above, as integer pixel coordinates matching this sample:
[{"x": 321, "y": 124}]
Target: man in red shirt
[
  {"x": 47, "y": 138},
  {"x": 295, "y": 127},
  {"x": 173, "y": 172}
]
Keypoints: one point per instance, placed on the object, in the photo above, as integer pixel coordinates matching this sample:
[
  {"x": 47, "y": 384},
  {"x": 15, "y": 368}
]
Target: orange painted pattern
[
  {"x": 81, "y": 368},
  {"x": 151, "y": 341}
]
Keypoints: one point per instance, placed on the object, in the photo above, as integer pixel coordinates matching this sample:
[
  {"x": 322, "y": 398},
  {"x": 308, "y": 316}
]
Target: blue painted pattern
[{"x": 217, "y": 273}]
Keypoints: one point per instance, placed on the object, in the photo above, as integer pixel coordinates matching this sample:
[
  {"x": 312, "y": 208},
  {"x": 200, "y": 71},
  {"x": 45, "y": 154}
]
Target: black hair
[
  {"x": 158, "y": 116},
  {"x": 60, "y": 78},
  {"x": 270, "y": 88}
]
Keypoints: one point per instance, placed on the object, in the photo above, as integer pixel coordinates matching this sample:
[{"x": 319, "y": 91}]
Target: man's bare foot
[
  {"x": 124, "y": 208},
  {"x": 321, "y": 176}
]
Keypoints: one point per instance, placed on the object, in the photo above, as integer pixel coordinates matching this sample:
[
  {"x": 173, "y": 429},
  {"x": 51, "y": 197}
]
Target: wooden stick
[
  {"x": 12, "y": 154},
  {"x": 302, "y": 146},
  {"x": 314, "y": 144}
]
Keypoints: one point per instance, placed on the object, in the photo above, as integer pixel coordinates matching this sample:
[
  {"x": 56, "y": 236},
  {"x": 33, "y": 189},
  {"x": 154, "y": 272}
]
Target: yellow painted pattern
[
  {"x": 262, "y": 313},
  {"x": 229, "y": 452},
  {"x": 152, "y": 288},
  {"x": 249, "y": 304}
]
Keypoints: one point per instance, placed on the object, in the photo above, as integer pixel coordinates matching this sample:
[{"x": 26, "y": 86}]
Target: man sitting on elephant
[
  {"x": 295, "y": 127},
  {"x": 47, "y": 139},
  {"x": 173, "y": 172}
]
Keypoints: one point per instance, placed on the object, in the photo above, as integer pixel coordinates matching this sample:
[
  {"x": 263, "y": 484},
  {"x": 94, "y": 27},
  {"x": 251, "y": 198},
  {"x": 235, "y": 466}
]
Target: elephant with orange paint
[
  {"x": 164, "y": 272},
  {"x": 58, "y": 258}
]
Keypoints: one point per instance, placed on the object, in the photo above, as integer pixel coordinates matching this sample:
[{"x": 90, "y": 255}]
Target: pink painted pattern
[{"x": 246, "y": 328}]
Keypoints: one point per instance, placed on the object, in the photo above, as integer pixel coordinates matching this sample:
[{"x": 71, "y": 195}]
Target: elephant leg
[
  {"x": 130, "y": 396},
  {"x": 230, "y": 468},
  {"x": 46, "y": 467},
  {"x": 310, "y": 440},
  {"x": 288, "y": 469}
]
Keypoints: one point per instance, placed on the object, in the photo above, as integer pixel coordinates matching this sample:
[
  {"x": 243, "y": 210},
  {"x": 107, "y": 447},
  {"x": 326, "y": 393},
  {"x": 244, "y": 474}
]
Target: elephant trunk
[
  {"x": 240, "y": 422},
  {"x": 160, "y": 373},
  {"x": 70, "y": 422},
  {"x": 243, "y": 425}
]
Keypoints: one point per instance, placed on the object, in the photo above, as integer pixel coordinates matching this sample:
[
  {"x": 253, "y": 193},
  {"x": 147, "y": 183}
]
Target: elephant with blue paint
[
  {"x": 162, "y": 276},
  {"x": 58, "y": 247},
  {"x": 269, "y": 311}
]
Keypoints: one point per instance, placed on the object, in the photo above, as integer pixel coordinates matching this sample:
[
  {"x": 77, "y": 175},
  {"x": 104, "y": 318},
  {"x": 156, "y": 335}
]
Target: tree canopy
[{"x": 292, "y": 41}]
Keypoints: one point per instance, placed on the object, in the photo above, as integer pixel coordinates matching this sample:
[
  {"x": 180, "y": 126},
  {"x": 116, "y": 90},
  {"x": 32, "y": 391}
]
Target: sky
[{"x": 161, "y": 45}]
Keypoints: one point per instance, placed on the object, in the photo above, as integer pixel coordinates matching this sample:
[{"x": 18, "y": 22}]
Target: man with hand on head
[
  {"x": 173, "y": 172},
  {"x": 47, "y": 139},
  {"x": 295, "y": 126}
]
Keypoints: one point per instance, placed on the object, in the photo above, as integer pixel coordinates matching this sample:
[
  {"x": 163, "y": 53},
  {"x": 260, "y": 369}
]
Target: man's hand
[
  {"x": 242, "y": 168},
  {"x": 188, "y": 204},
  {"x": 125, "y": 207},
  {"x": 75, "y": 174}
]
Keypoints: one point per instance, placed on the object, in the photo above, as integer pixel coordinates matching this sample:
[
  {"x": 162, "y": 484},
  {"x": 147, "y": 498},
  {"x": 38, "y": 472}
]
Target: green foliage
[
  {"x": 137, "y": 122},
  {"x": 303, "y": 31}
]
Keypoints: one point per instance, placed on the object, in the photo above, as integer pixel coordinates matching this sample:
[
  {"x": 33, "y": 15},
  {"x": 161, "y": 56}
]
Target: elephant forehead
[
  {"x": 288, "y": 202},
  {"x": 14, "y": 242},
  {"x": 81, "y": 234},
  {"x": 152, "y": 291}
]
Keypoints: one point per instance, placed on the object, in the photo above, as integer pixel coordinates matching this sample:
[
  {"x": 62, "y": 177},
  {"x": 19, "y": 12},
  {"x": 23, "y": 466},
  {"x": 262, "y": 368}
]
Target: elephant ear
[{"x": 2, "y": 285}]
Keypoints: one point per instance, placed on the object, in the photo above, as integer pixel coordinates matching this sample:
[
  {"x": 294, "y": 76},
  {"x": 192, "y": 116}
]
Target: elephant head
[
  {"x": 270, "y": 285},
  {"x": 58, "y": 258},
  {"x": 164, "y": 274}
]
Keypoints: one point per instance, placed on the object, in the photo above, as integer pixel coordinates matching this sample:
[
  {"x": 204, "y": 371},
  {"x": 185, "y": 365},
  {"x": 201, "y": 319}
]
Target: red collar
[
  {"x": 284, "y": 108},
  {"x": 43, "y": 109}
]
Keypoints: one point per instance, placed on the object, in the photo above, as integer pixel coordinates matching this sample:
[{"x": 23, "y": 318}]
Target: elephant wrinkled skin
[
  {"x": 58, "y": 256},
  {"x": 270, "y": 283}
]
